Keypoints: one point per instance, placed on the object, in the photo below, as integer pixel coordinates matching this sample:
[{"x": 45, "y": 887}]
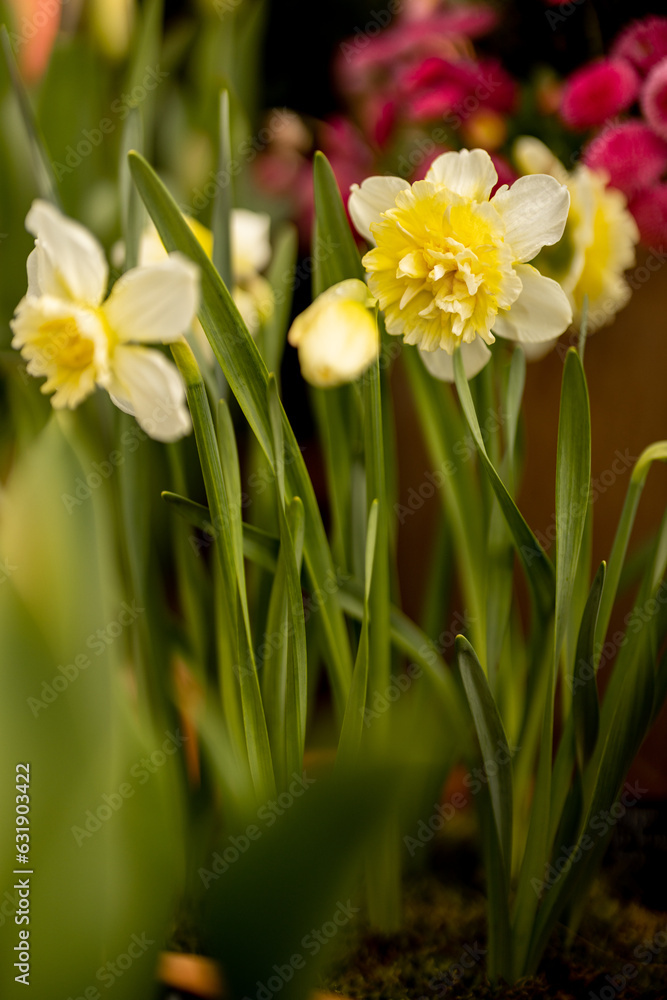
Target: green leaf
[
  {"x": 351, "y": 732},
  {"x": 133, "y": 213},
  {"x": 444, "y": 432},
  {"x": 296, "y": 680},
  {"x": 234, "y": 602},
  {"x": 539, "y": 569},
  {"x": 44, "y": 175},
  {"x": 335, "y": 249},
  {"x": 585, "y": 704},
  {"x": 491, "y": 736},
  {"x": 259, "y": 546},
  {"x": 280, "y": 276},
  {"x": 146, "y": 53},
  {"x": 654, "y": 453},
  {"x": 573, "y": 475},
  {"x": 497, "y": 826},
  {"x": 224, "y": 201},
  {"x": 247, "y": 376}
]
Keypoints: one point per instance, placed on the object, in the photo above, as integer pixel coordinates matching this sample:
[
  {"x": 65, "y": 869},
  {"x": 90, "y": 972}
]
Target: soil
[{"x": 620, "y": 949}]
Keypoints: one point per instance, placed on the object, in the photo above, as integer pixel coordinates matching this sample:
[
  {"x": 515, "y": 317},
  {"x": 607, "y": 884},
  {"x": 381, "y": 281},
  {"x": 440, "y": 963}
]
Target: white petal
[
  {"x": 71, "y": 262},
  {"x": 251, "y": 247},
  {"x": 441, "y": 364},
  {"x": 533, "y": 157},
  {"x": 535, "y": 352},
  {"x": 542, "y": 312},
  {"x": 469, "y": 173},
  {"x": 375, "y": 196},
  {"x": 146, "y": 385},
  {"x": 156, "y": 303},
  {"x": 534, "y": 211}
]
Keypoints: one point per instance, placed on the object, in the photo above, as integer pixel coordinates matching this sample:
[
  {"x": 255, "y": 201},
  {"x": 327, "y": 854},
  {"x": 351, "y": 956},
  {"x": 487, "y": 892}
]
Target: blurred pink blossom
[
  {"x": 649, "y": 208},
  {"x": 654, "y": 98},
  {"x": 598, "y": 91},
  {"x": 631, "y": 154},
  {"x": 643, "y": 43}
]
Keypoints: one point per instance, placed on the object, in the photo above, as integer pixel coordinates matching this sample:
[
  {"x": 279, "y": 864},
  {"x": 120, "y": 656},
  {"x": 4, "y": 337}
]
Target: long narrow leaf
[
  {"x": 246, "y": 373},
  {"x": 536, "y": 563}
]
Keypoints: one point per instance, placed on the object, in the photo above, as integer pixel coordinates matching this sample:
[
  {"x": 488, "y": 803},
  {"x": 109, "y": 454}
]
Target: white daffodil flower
[
  {"x": 67, "y": 331},
  {"x": 599, "y": 241},
  {"x": 337, "y": 335},
  {"x": 449, "y": 266},
  {"x": 251, "y": 252}
]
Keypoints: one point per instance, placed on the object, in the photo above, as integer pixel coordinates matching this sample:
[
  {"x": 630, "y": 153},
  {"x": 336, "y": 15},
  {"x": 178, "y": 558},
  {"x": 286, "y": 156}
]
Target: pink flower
[
  {"x": 642, "y": 43},
  {"x": 631, "y": 154},
  {"x": 597, "y": 92},
  {"x": 654, "y": 98},
  {"x": 366, "y": 60},
  {"x": 438, "y": 86},
  {"x": 649, "y": 208}
]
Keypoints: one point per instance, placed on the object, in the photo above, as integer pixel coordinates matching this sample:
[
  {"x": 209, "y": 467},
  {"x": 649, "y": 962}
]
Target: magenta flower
[
  {"x": 642, "y": 43},
  {"x": 649, "y": 208},
  {"x": 631, "y": 154},
  {"x": 654, "y": 98},
  {"x": 598, "y": 91}
]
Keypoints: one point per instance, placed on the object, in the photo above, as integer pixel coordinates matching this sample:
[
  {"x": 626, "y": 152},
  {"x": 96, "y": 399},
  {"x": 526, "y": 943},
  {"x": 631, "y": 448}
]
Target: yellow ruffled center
[
  {"x": 441, "y": 269},
  {"x": 67, "y": 347}
]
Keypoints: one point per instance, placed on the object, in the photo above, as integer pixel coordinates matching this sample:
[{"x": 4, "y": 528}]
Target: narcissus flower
[
  {"x": 599, "y": 240},
  {"x": 337, "y": 335},
  {"x": 251, "y": 252},
  {"x": 67, "y": 331},
  {"x": 450, "y": 268}
]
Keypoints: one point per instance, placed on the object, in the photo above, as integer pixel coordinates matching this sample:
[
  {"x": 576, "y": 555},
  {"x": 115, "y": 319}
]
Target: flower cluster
[{"x": 631, "y": 151}]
